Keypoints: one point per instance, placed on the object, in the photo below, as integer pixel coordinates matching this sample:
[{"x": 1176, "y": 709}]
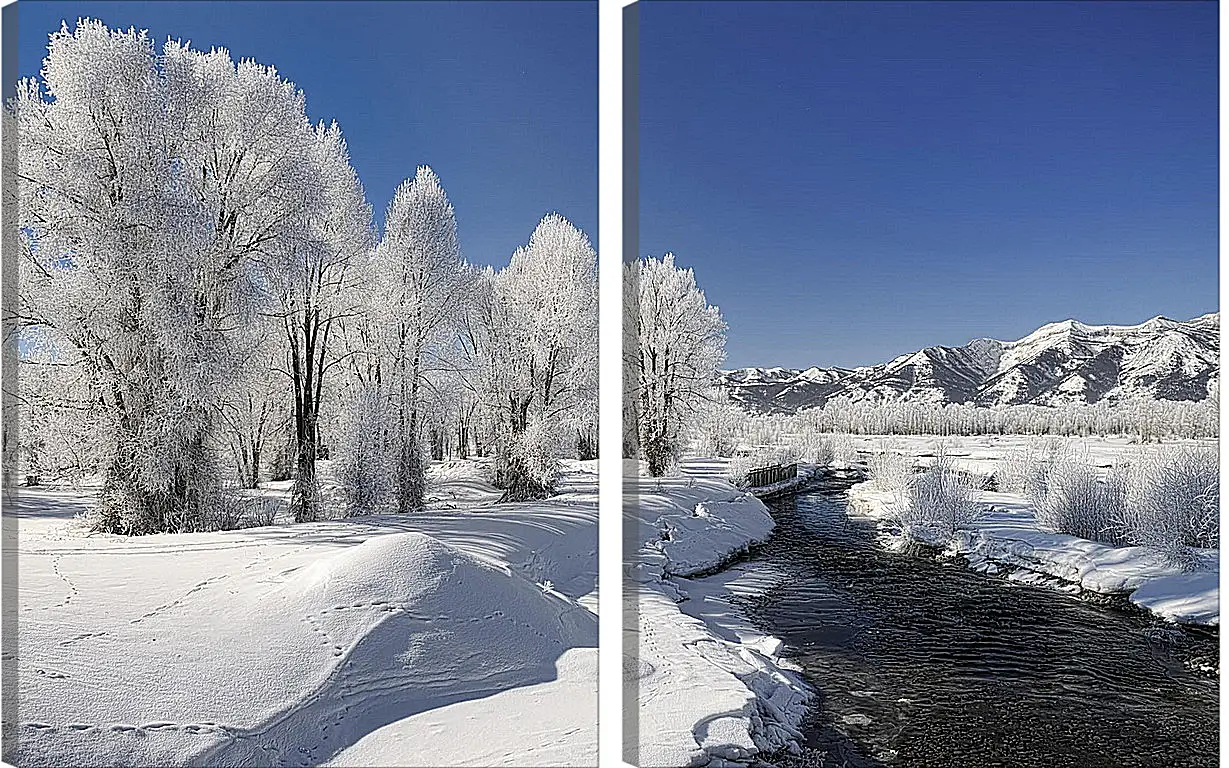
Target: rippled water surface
[{"x": 922, "y": 662}]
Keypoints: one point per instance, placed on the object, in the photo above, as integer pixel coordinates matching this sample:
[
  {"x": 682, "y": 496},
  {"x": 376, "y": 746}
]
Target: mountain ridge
[{"x": 1059, "y": 363}]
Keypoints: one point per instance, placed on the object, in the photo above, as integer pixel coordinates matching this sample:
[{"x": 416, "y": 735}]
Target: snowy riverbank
[
  {"x": 712, "y": 691},
  {"x": 1006, "y": 537},
  {"x": 331, "y": 642}
]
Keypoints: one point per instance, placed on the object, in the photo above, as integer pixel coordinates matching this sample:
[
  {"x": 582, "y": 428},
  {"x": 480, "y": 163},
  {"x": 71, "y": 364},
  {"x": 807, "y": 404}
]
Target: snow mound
[
  {"x": 376, "y": 632},
  {"x": 1183, "y": 598},
  {"x": 715, "y": 532}
]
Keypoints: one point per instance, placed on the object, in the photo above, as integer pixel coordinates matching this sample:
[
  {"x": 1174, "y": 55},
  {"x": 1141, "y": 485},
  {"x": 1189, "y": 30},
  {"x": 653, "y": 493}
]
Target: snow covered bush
[
  {"x": 939, "y": 498},
  {"x": 1026, "y": 471},
  {"x": 1015, "y": 471},
  {"x": 528, "y": 466},
  {"x": 366, "y": 460},
  {"x": 844, "y": 451},
  {"x": 814, "y": 448},
  {"x": 1068, "y": 495},
  {"x": 888, "y": 470},
  {"x": 226, "y": 513},
  {"x": 261, "y": 512},
  {"x": 1173, "y": 503}
]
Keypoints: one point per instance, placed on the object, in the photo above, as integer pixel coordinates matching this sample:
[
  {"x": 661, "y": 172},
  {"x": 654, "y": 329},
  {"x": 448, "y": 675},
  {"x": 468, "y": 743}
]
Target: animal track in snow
[
  {"x": 179, "y": 600},
  {"x": 72, "y": 588},
  {"x": 196, "y": 729}
]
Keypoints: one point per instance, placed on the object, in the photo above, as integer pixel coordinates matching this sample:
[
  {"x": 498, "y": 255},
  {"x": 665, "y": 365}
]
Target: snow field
[{"x": 395, "y": 636}]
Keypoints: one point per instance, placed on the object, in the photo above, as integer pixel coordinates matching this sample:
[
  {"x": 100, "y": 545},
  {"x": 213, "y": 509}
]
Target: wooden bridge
[{"x": 771, "y": 475}]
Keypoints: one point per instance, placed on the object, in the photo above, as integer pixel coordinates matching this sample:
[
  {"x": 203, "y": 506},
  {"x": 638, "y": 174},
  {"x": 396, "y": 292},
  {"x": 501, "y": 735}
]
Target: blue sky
[
  {"x": 852, "y": 181},
  {"x": 500, "y": 98}
]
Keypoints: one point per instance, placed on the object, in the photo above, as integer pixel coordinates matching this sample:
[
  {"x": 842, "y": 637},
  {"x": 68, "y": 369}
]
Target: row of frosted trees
[
  {"x": 1143, "y": 420},
  {"x": 204, "y": 301}
]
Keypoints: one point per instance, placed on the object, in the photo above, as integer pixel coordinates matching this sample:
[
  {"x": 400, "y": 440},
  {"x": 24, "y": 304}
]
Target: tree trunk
[
  {"x": 304, "y": 501},
  {"x": 411, "y": 478}
]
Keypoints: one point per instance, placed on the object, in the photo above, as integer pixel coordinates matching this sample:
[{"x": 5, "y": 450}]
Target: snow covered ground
[
  {"x": 1006, "y": 537},
  {"x": 380, "y": 640},
  {"x": 711, "y": 690}
]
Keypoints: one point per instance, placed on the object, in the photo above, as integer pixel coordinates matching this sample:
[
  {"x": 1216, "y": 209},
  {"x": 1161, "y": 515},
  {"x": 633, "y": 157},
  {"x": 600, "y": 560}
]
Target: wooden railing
[{"x": 762, "y": 476}]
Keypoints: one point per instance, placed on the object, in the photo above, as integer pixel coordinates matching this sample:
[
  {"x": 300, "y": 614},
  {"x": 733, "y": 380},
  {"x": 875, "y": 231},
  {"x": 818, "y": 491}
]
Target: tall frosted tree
[
  {"x": 320, "y": 281},
  {"x": 542, "y": 360},
  {"x": 424, "y": 287},
  {"x": 149, "y": 185},
  {"x": 675, "y": 344}
]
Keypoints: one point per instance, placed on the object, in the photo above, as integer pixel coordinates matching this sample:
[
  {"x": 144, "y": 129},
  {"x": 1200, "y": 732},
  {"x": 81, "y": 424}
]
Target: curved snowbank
[
  {"x": 707, "y": 695},
  {"x": 292, "y": 667},
  {"x": 1007, "y": 535},
  {"x": 557, "y": 732}
]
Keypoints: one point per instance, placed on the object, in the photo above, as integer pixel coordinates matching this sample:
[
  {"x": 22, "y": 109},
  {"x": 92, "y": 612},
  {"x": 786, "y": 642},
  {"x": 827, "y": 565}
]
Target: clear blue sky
[
  {"x": 852, "y": 181},
  {"x": 500, "y": 98}
]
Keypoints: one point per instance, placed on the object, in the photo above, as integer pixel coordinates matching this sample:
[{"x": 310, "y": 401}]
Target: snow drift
[{"x": 298, "y": 666}]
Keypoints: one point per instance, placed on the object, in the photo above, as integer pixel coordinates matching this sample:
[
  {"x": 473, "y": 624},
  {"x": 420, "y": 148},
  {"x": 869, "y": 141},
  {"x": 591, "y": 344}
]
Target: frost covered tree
[
  {"x": 424, "y": 283},
  {"x": 201, "y": 288},
  {"x": 253, "y": 408},
  {"x": 366, "y": 441},
  {"x": 170, "y": 201},
  {"x": 679, "y": 344},
  {"x": 540, "y": 353},
  {"x": 319, "y": 278},
  {"x": 149, "y": 185}
]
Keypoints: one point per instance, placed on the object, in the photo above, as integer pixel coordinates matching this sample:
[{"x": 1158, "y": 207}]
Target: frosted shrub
[
  {"x": 940, "y": 496},
  {"x": 529, "y": 466},
  {"x": 1069, "y": 497},
  {"x": 225, "y": 513},
  {"x": 888, "y": 470},
  {"x": 1014, "y": 471},
  {"x": 1173, "y": 503},
  {"x": 262, "y": 511},
  {"x": 740, "y": 467},
  {"x": 844, "y": 452},
  {"x": 814, "y": 448},
  {"x": 1027, "y": 472},
  {"x": 367, "y": 458}
]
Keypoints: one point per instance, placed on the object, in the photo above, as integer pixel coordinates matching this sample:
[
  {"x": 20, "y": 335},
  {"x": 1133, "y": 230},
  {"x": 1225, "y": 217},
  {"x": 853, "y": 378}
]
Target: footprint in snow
[
  {"x": 160, "y": 725},
  {"x": 51, "y": 674}
]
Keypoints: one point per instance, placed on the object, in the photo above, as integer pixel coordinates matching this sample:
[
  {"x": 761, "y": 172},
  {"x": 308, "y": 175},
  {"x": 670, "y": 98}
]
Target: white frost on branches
[{"x": 675, "y": 344}]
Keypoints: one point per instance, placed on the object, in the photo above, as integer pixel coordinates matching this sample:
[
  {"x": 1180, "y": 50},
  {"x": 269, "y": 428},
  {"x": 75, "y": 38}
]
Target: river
[{"x": 921, "y": 662}]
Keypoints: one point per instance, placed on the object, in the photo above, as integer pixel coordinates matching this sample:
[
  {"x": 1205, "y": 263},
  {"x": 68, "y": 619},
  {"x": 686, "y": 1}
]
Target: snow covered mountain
[{"x": 1059, "y": 363}]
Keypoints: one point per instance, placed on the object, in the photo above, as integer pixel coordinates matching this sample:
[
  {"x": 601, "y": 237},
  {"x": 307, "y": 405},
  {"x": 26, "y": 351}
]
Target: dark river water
[{"x": 923, "y": 662}]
